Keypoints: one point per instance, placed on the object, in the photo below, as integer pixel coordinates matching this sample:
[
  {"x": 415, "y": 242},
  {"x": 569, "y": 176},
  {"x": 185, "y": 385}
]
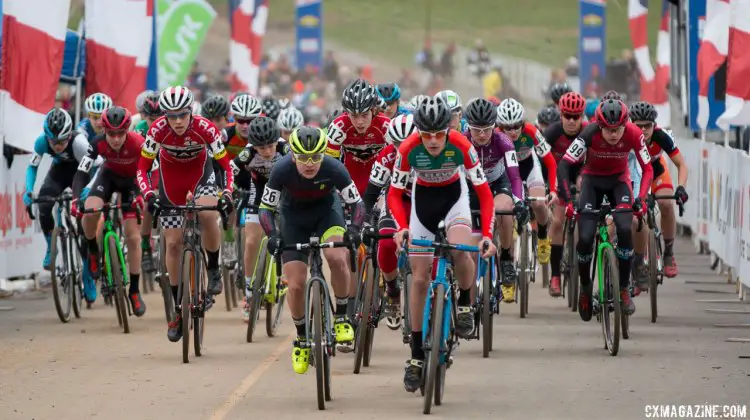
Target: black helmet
[
  {"x": 271, "y": 107},
  {"x": 480, "y": 113},
  {"x": 58, "y": 125},
  {"x": 612, "y": 113},
  {"x": 432, "y": 114},
  {"x": 359, "y": 97},
  {"x": 150, "y": 107},
  {"x": 263, "y": 131},
  {"x": 558, "y": 90},
  {"x": 333, "y": 115},
  {"x": 389, "y": 91},
  {"x": 642, "y": 111},
  {"x": 548, "y": 115},
  {"x": 612, "y": 94},
  {"x": 308, "y": 140},
  {"x": 215, "y": 106}
]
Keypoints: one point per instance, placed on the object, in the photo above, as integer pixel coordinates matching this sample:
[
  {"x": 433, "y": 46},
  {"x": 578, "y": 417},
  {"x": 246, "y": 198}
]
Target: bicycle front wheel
[
  {"x": 117, "y": 278},
  {"x": 572, "y": 262},
  {"x": 653, "y": 274},
  {"x": 259, "y": 277},
  {"x": 362, "y": 340},
  {"x": 523, "y": 275},
  {"x": 611, "y": 308},
  {"x": 199, "y": 306},
  {"x": 486, "y": 315},
  {"x": 76, "y": 275},
  {"x": 60, "y": 274},
  {"x": 435, "y": 340},
  {"x": 187, "y": 282},
  {"x": 166, "y": 288},
  {"x": 319, "y": 353}
]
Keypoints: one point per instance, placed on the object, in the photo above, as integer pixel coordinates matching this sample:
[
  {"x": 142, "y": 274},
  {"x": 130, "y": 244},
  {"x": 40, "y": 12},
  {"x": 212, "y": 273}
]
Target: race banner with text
[
  {"x": 309, "y": 24},
  {"x": 183, "y": 25},
  {"x": 592, "y": 39}
]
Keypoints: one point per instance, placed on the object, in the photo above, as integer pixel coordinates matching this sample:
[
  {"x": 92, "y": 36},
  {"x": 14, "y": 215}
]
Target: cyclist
[
  {"x": 251, "y": 169},
  {"x": 95, "y": 105},
  {"x": 559, "y": 136},
  {"x": 181, "y": 140},
  {"x": 139, "y": 101},
  {"x": 245, "y": 108},
  {"x": 270, "y": 107},
  {"x": 216, "y": 110},
  {"x": 659, "y": 140},
  {"x": 289, "y": 120},
  {"x": 120, "y": 150},
  {"x": 591, "y": 105},
  {"x": 413, "y": 103},
  {"x": 301, "y": 187},
  {"x": 498, "y": 158},
  {"x": 529, "y": 144},
  {"x": 150, "y": 111},
  {"x": 546, "y": 117},
  {"x": 66, "y": 151},
  {"x": 557, "y": 91},
  {"x": 451, "y": 98},
  {"x": 605, "y": 174},
  {"x": 399, "y": 129},
  {"x": 391, "y": 94},
  {"x": 441, "y": 159}
]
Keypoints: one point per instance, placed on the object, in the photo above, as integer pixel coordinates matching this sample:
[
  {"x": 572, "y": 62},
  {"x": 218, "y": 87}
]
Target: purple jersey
[{"x": 498, "y": 158}]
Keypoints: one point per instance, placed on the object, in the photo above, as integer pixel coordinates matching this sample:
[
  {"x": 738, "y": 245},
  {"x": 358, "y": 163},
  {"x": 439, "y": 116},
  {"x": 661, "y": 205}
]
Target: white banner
[{"x": 22, "y": 245}]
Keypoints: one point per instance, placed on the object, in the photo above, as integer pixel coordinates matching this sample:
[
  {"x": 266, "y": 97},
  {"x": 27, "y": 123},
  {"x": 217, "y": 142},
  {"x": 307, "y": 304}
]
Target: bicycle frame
[
  {"x": 602, "y": 240},
  {"x": 316, "y": 276}
]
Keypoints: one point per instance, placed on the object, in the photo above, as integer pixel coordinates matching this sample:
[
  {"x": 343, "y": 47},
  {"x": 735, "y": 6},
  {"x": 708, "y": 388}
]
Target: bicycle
[
  {"x": 606, "y": 301},
  {"x": 655, "y": 261},
  {"x": 232, "y": 262},
  {"x": 161, "y": 276},
  {"x": 270, "y": 292},
  {"x": 527, "y": 260},
  {"x": 194, "y": 299},
  {"x": 438, "y": 324},
  {"x": 112, "y": 259},
  {"x": 66, "y": 273},
  {"x": 318, "y": 313},
  {"x": 569, "y": 260}
]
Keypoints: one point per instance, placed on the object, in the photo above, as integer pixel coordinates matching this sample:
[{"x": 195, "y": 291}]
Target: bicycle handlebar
[
  {"x": 107, "y": 207},
  {"x": 680, "y": 205},
  {"x": 65, "y": 197},
  {"x": 443, "y": 245}
]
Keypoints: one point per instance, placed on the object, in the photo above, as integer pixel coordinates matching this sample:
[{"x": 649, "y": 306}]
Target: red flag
[
  {"x": 249, "y": 18},
  {"x": 738, "y": 67}
]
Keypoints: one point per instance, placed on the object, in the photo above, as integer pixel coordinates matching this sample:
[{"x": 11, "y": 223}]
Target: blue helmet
[
  {"x": 389, "y": 91},
  {"x": 591, "y": 105}
]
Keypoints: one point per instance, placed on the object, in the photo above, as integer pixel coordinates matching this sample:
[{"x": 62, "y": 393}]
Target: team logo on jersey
[
  {"x": 472, "y": 156},
  {"x": 450, "y": 153}
]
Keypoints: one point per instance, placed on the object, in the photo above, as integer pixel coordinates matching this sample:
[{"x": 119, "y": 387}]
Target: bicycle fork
[
  {"x": 121, "y": 261},
  {"x": 328, "y": 338},
  {"x": 447, "y": 314}
]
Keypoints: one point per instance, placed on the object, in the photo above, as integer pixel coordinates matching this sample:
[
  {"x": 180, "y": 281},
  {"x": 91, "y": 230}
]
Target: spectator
[
  {"x": 492, "y": 83},
  {"x": 330, "y": 68},
  {"x": 479, "y": 60},
  {"x": 446, "y": 61},
  {"x": 425, "y": 58},
  {"x": 593, "y": 87}
]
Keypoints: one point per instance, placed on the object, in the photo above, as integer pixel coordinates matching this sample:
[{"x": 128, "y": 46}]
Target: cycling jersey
[
  {"x": 356, "y": 150},
  {"x": 85, "y": 129},
  {"x": 141, "y": 128},
  {"x": 183, "y": 159},
  {"x": 498, "y": 158},
  {"x": 233, "y": 142},
  {"x": 559, "y": 140},
  {"x": 440, "y": 171},
  {"x": 73, "y": 153},
  {"x": 603, "y": 159},
  {"x": 662, "y": 140},
  {"x": 249, "y": 160},
  {"x": 122, "y": 163},
  {"x": 531, "y": 140},
  {"x": 635, "y": 173}
]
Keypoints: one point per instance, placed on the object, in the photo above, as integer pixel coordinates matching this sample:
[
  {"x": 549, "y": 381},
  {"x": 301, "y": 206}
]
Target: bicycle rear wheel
[
  {"x": 611, "y": 308},
  {"x": 523, "y": 275},
  {"x": 375, "y": 304},
  {"x": 117, "y": 279},
  {"x": 572, "y": 261},
  {"x": 319, "y": 354},
  {"x": 187, "y": 279},
  {"x": 434, "y": 338},
  {"x": 653, "y": 273},
  {"x": 486, "y": 317},
  {"x": 200, "y": 301},
  {"x": 60, "y": 276},
  {"x": 361, "y": 342},
  {"x": 76, "y": 275},
  {"x": 259, "y": 278}
]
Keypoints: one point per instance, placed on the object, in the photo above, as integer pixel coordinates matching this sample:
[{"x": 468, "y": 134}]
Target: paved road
[{"x": 550, "y": 365}]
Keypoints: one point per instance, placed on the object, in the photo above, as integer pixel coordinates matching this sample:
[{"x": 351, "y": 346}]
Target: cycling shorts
[
  {"x": 500, "y": 186},
  {"x": 176, "y": 183},
  {"x": 531, "y": 171},
  {"x": 106, "y": 182},
  {"x": 251, "y": 215},
  {"x": 430, "y": 205},
  {"x": 298, "y": 225},
  {"x": 662, "y": 179}
]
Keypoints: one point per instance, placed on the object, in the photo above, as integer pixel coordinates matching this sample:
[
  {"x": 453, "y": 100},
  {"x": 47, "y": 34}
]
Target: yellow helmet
[{"x": 308, "y": 140}]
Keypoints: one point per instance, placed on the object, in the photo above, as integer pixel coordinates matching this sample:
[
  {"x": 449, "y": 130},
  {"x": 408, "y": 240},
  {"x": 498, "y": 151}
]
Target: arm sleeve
[
  {"x": 40, "y": 147},
  {"x": 514, "y": 174},
  {"x": 635, "y": 173},
  {"x": 372, "y": 192},
  {"x": 220, "y": 155},
  {"x": 644, "y": 160},
  {"x": 350, "y": 196},
  {"x": 479, "y": 181},
  {"x": 573, "y": 155},
  {"x": 399, "y": 183},
  {"x": 148, "y": 154},
  {"x": 269, "y": 202}
]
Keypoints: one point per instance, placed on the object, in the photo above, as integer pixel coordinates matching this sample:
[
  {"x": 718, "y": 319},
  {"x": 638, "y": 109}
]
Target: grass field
[{"x": 542, "y": 30}]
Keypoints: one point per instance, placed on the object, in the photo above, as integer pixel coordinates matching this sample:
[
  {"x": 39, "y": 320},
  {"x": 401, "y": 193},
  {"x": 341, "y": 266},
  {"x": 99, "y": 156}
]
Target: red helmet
[
  {"x": 572, "y": 103},
  {"x": 116, "y": 118},
  {"x": 495, "y": 100},
  {"x": 612, "y": 113}
]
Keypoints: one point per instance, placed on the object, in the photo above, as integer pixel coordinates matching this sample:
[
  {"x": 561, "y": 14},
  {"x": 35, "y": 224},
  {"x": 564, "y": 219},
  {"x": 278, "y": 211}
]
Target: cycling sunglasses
[
  {"x": 645, "y": 126},
  {"x": 116, "y": 133},
  {"x": 58, "y": 140},
  {"x": 243, "y": 121},
  {"x": 481, "y": 130},
  {"x": 572, "y": 117},
  {"x": 178, "y": 115},
  {"x": 306, "y": 159},
  {"x": 439, "y": 135},
  {"x": 514, "y": 127}
]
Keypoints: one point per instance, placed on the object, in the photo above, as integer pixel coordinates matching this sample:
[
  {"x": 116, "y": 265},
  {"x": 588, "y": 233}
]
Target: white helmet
[
  {"x": 246, "y": 106},
  {"x": 452, "y": 99},
  {"x": 197, "y": 108},
  {"x": 175, "y": 98},
  {"x": 509, "y": 112},
  {"x": 399, "y": 129},
  {"x": 414, "y": 102},
  {"x": 97, "y": 103},
  {"x": 141, "y": 98},
  {"x": 290, "y": 119}
]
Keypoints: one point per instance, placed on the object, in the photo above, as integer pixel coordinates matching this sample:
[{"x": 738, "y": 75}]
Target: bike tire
[
  {"x": 273, "y": 315},
  {"x": 375, "y": 303},
  {"x": 653, "y": 273},
  {"x": 406, "y": 316},
  {"x": 62, "y": 298},
  {"x": 486, "y": 318},
  {"x": 77, "y": 271},
  {"x": 318, "y": 352},
  {"x": 186, "y": 281},
  {"x": 259, "y": 277},
  {"x": 360, "y": 341},
  {"x": 573, "y": 280},
  {"x": 239, "y": 283},
  {"x": 117, "y": 279},
  {"x": 611, "y": 282},
  {"x": 200, "y": 302},
  {"x": 166, "y": 288},
  {"x": 226, "y": 279},
  {"x": 523, "y": 275},
  {"x": 434, "y": 337}
]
